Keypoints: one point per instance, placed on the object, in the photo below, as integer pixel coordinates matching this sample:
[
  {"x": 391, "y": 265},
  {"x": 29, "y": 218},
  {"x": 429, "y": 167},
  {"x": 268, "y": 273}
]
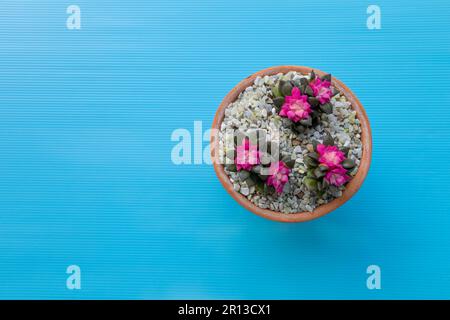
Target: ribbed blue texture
[{"x": 86, "y": 176}]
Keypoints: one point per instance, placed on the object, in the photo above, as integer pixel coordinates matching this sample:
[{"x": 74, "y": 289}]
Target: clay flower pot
[{"x": 351, "y": 188}]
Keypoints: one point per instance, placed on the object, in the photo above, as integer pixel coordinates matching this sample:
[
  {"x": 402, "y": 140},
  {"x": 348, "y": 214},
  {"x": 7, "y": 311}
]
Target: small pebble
[{"x": 245, "y": 191}]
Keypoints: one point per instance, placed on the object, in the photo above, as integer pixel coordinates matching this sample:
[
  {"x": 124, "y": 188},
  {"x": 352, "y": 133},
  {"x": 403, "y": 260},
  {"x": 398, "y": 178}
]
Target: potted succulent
[{"x": 291, "y": 143}]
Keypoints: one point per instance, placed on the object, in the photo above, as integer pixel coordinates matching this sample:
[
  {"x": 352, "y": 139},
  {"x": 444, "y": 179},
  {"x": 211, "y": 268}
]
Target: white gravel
[{"x": 254, "y": 110}]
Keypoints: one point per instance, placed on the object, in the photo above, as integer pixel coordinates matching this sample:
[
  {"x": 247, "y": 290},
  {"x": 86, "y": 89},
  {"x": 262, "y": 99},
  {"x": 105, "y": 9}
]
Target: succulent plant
[
  {"x": 348, "y": 164},
  {"x": 327, "y": 165},
  {"x": 305, "y": 113},
  {"x": 268, "y": 175}
]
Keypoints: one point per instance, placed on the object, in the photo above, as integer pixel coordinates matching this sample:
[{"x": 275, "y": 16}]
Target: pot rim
[{"x": 351, "y": 188}]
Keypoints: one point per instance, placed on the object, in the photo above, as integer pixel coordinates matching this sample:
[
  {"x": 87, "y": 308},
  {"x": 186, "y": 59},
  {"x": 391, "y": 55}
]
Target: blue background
[{"x": 86, "y": 176}]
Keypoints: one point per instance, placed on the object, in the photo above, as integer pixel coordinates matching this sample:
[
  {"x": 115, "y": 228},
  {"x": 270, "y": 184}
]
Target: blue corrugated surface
[{"x": 86, "y": 176}]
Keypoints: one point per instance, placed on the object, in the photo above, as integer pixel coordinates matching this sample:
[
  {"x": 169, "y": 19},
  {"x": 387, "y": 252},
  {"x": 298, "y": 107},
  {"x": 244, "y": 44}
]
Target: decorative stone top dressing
[{"x": 298, "y": 185}]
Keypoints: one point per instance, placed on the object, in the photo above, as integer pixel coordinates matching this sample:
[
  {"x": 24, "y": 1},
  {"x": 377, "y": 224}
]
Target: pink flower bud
[
  {"x": 337, "y": 176},
  {"x": 279, "y": 175},
  {"x": 321, "y": 90},
  {"x": 296, "y": 106},
  {"x": 330, "y": 156},
  {"x": 247, "y": 155}
]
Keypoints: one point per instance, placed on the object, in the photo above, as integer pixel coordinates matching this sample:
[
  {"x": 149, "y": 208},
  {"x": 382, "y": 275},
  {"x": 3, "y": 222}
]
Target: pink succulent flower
[
  {"x": 337, "y": 176},
  {"x": 330, "y": 156},
  {"x": 321, "y": 90},
  {"x": 247, "y": 155},
  {"x": 279, "y": 175},
  {"x": 296, "y": 106}
]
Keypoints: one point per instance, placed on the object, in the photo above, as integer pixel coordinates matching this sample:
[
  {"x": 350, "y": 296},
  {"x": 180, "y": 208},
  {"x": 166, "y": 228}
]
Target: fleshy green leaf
[
  {"x": 276, "y": 92},
  {"x": 327, "y": 108},
  {"x": 319, "y": 173},
  {"x": 315, "y": 143},
  {"x": 328, "y": 140},
  {"x": 278, "y": 102},
  {"x": 311, "y": 163},
  {"x": 269, "y": 189},
  {"x": 299, "y": 128},
  {"x": 309, "y": 91},
  {"x": 310, "y": 183},
  {"x": 345, "y": 150},
  {"x": 310, "y": 173},
  {"x": 250, "y": 182},
  {"x": 257, "y": 169},
  {"x": 320, "y": 185},
  {"x": 290, "y": 163},
  {"x": 323, "y": 185},
  {"x": 260, "y": 187},
  {"x": 314, "y": 102},
  {"x": 326, "y": 77},
  {"x": 306, "y": 122},
  {"x": 281, "y": 83},
  {"x": 348, "y": 164},
  {"x": 313, "y": 155},
  {"x": 286, "y": 89}
]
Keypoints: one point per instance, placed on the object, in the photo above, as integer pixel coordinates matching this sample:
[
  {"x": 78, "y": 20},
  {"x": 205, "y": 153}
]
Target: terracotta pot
[{"x": 351, "y": 187}]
